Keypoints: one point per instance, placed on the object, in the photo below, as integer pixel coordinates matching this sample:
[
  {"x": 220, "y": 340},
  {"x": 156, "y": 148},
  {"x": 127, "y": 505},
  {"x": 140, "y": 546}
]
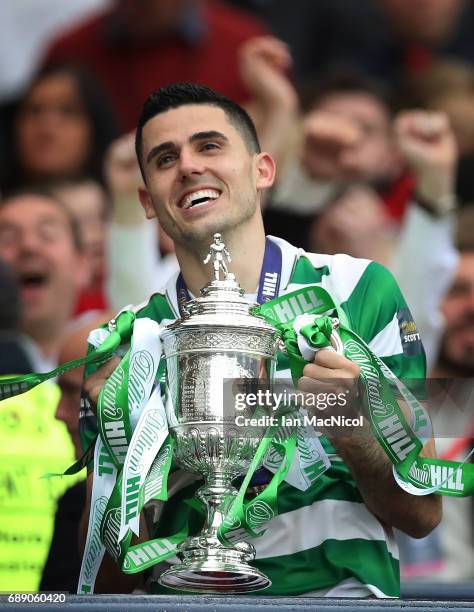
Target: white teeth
[{"x": 210, "y": 194}]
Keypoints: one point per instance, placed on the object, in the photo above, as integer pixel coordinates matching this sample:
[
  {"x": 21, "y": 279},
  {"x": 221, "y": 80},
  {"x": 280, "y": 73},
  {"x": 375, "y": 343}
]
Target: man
[
  {"x": 456, "y": 362},
  {"x": 40, "y": 240},
  {"x": 204, "y": 173}
]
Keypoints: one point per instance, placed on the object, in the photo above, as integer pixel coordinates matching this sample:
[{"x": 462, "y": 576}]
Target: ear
[
  {"x": 265, "y": 170},
  {"x": 145, "y": 201}
]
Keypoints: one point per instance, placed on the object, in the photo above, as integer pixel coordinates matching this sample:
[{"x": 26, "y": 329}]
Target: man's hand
[
  {"x": 331, "y": 374},
  {"x": 94, "y": 383},
  {"x": 429, "y": 148},
  {"x": 330, "y": 145},
  {"x": 370, "y": 467},
  {"x": 264, "y": 63},
  {"x": 329, "y": 369}
]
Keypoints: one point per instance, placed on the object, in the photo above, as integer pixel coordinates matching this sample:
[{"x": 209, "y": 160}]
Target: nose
[
  {"x": 29, "y": 241},
  {"x": 190, "y": 164}
]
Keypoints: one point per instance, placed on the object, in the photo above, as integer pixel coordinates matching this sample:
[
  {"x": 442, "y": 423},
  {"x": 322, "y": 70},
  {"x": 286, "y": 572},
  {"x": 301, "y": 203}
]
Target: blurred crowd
[{"x": 367, "y": 107}]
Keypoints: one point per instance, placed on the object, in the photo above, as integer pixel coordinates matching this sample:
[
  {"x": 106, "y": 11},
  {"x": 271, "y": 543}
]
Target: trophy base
[{"x": 218, "y": 570}]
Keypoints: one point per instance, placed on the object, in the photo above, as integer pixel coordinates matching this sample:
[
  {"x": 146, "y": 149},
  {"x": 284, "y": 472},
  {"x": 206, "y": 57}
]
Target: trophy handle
[{"x": 336, "y": 341}]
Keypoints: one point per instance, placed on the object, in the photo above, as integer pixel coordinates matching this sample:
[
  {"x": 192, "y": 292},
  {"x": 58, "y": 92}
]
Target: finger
[
  {"x": 330, "y": 359},
  {"x": 108, "y": 367},
  {"x": 93, "y": 395},
  {"x": 330, "y": 365},
  {"x": 94, "y": 383},
  {"x": 318, "y": 372},
  {"x": 102, "y": 373}
]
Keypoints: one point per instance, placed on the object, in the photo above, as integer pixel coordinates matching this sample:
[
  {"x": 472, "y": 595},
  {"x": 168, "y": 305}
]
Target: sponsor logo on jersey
[{"x": 409, "y": 334}]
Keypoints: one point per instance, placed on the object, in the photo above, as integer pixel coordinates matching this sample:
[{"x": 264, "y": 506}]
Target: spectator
[
  {"x": 454, "y": 422},
  {"x": 456, "y": 355},
  {"x": 41, "y": 241},
  {"x": 135, "y": 47},
  {"x": 346, "y": 136},
  {"x": 448, "y": 86},
  {"x": 32, "y": 443},
  {"x": 60, "y": 129}
]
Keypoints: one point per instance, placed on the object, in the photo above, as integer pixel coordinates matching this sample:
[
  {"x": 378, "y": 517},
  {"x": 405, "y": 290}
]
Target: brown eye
[
  {"x": 209, "y": 146},
  {"x": 166, "y": 160}
]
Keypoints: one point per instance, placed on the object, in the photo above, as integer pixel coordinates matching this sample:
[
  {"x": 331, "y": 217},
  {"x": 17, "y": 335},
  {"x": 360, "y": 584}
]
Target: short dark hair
[
  {"x": 181, "y": 94},
  {"x": 47, "y": 192}
]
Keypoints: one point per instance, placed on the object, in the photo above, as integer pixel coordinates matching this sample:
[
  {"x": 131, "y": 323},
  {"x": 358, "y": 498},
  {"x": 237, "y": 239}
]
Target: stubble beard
[
  {"x": 198, "y": 237},
  {"x": 462, "y": 366}
]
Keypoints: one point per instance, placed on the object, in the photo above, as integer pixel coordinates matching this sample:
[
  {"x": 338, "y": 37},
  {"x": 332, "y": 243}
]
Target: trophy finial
[{"x": 219, "y": 255}]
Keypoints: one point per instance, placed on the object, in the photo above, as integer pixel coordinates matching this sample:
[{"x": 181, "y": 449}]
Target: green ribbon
[
  {"x": 245, "y": 518},
  {"x": 318, "y": 335},
  {"x": 417, "y": 475},
  {"x": 16, "y": 385},
  {"x": 248, "y": 518},
  {"x": 138, "y": 557}
]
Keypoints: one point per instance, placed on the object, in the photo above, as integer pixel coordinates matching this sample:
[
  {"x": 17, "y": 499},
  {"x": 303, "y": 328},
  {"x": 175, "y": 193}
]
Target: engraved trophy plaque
[{"x": 216, "y": 341}]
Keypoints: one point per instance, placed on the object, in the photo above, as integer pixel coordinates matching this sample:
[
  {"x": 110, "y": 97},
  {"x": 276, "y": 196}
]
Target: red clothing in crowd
[{"x": 204, "y": 50}]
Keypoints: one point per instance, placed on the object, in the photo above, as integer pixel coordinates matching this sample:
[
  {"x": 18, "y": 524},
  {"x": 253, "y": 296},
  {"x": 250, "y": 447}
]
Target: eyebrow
[{"x": 169, "y": 144}]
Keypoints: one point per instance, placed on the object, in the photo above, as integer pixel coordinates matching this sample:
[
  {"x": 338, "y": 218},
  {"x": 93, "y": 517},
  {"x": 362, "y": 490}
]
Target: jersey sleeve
[{"x": 378, "y": 312}]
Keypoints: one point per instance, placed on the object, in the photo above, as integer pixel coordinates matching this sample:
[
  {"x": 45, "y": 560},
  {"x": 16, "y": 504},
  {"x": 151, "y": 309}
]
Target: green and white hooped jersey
[{"x": 324, "y": 541}]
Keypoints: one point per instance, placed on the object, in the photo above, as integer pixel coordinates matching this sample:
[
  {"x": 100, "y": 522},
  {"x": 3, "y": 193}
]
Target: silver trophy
[{"x": 216, "y": 342}]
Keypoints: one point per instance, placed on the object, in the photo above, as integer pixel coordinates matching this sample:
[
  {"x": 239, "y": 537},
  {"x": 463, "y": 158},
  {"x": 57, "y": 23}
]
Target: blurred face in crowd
[
  {"x": 53, "y": 133},
  {"x": 36, "y": 239},
  {"x": 457, "y": 348},
  {"x": 427, "y": 21},
  {"x": 356, "y": 223},
  {"x": 87, "y": 202},
  {"x": 200, "y": 176},
  {"x": 373, "y": 155}
]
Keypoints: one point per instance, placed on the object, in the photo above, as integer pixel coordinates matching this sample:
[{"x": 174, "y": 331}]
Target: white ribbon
[{"x": 104, "y": 482}]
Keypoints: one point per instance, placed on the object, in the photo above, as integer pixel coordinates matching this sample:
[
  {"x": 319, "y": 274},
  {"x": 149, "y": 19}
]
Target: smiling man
[
  {"x": 204, "y": 173},
  {"x": 40, "y": 240}
]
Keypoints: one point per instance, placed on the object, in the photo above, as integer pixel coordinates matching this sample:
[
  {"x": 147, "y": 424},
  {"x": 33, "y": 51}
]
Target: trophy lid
[{"x": 222, "y": 301}]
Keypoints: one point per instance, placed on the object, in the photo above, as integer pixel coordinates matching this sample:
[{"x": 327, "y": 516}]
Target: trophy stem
[
  {"x": 217, "y": 494},
  {"x": 207, "y": 566}
]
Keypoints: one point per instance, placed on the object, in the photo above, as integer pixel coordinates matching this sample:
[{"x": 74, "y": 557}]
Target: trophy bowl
[{"x": 215, "y": 346}]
